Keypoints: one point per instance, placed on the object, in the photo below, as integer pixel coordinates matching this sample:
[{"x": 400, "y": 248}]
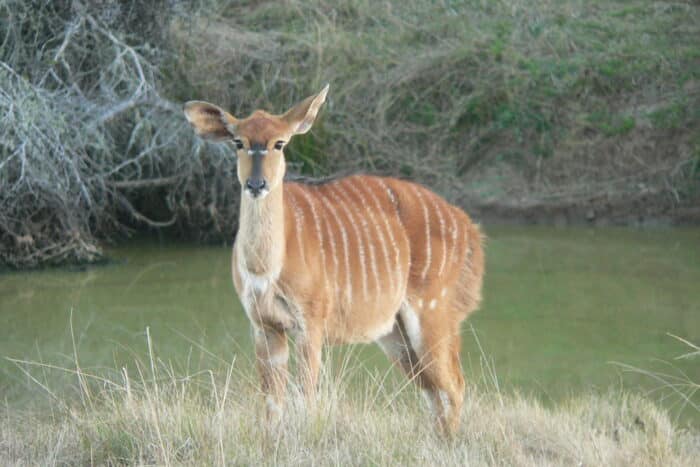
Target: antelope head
[{"x": 259, "y": 139}]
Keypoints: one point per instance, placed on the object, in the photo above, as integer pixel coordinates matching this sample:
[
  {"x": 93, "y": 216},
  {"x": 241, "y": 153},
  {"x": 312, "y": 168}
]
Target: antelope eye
[
  {"x": 279, "y": 145},
  {"x": 238, "y": 143}
]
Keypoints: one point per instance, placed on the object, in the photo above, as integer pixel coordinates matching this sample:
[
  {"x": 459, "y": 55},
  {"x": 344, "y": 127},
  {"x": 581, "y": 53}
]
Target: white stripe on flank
[
  {"x": 426, "y": 219},
  {"x": 317, "y": 225},
  {"x": 454, "y": 230},
  {"x": 298, "y": 226},
  {"x": 370, "y": 241},
  {"x": 443, "y": 236},
  {"x": 334, "y": 249},
  {"x": 344, "y": 237},
  {"x": 389, "y": 193},
  {"x": 467, "y": 248},
  {"x": 392, "y": 239},
  {"x": 380, "y": 234},
  {"x": 358, "y": 235}
]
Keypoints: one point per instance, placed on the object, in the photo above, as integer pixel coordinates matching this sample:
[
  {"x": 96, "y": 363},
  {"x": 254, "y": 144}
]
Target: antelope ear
[
  {"x": 209, "y": 121},
  {"x": 302, "y": 116}
]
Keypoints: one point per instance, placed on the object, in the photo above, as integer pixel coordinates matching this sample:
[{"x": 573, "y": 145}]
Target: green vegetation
[{"x": 492, "y": 103}]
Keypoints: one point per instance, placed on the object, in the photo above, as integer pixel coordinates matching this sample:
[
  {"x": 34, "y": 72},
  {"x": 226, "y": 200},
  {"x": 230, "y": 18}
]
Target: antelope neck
[{"x": 260, "y": 242}]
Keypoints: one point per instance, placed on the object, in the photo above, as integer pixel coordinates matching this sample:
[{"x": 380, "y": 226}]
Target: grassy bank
[
  {"x": 152, "y": 415},
  {"x": 507, "y": 104}
]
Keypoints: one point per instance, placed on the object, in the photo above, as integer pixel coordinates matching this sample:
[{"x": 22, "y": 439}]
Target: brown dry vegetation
[
  {"x": 152, "y": 415},
  {"x": 557, "y": 111}
]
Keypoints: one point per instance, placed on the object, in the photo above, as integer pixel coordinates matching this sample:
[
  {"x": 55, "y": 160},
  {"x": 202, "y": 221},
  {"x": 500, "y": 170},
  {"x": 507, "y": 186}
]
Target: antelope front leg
[
  {"x": 310, "y": 361},
  {"x": 272, "y": 354}
]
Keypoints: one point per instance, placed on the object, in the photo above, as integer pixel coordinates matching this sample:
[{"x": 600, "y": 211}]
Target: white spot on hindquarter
[
  {"x": 444, "y": 292},
  {"x": 420, "y": 303},
  {"x": 426, "y": 220},
  {"x": 433, "y": 304},
  {"x": 412, "y": 324}
]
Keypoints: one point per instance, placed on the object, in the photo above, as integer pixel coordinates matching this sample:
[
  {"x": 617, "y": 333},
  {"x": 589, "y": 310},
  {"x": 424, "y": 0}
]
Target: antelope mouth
[{"x": 256, "y": 194}]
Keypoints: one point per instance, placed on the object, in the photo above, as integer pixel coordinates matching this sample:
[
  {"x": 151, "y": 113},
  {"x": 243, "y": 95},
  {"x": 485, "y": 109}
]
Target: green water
[{"x": 560, "y": 306}]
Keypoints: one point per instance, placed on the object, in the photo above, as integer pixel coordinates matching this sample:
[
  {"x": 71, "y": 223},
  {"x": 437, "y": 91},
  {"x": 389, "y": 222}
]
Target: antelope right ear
[
  {"x": 302, "y": 116},
  {"x": 209, "y": 121}
]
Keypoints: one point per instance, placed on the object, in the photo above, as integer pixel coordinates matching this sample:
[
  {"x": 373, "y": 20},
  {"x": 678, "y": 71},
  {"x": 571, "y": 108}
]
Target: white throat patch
[{"x": 254, "y": 285}]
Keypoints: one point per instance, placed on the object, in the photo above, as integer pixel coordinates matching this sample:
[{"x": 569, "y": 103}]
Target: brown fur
[{"x": 357, "y": 259}]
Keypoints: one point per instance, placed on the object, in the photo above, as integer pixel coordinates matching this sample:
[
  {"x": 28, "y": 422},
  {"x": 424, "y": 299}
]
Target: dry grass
[
  {"x": 672, "y": 384},
  {"x": 154, "y": 416}
]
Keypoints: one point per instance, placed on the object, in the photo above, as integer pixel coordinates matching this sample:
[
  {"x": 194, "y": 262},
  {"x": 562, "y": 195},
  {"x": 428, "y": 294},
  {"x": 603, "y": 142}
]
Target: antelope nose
[{"x": 255, "y": 185}]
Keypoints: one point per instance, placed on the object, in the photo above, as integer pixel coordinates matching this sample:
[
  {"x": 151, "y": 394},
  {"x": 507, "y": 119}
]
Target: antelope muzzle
[{"x": 256, "y": 185}]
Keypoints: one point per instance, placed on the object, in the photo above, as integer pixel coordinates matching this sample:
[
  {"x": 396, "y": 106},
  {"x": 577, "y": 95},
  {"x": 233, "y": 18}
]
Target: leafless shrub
[{"x": 83, "y": 132}]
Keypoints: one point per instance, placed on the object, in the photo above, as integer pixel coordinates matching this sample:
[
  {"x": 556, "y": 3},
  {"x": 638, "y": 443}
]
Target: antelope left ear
[
  {"x": 209, "y": 121},
  {"x": 301, "y": 117}
]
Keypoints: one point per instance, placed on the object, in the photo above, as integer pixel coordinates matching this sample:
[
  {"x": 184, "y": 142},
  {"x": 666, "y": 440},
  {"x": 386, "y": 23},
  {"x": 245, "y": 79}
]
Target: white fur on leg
[
  {"x": 279, "y": 358},
  {"x": 412, "y": 324},
  {"x": 446, "y": 405},
  {"x": 274, "y": 411},
  {"x": 428, "y": 396}
]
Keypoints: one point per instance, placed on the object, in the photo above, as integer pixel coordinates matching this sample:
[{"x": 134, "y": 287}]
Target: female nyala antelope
[{"x": 356, "y": 259}]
